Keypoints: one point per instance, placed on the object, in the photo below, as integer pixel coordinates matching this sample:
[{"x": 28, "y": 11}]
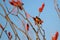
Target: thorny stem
[
  {"x": 8, "y": 10},
  {"x": 28, "y": 21},
  {"x": 38, "y": 31},
  {"x": 13, "y": 26},
  {"x": 32, "y": 27},
  {"x": 43, "y": 34},
  {"x": 6, "y": 33},
  {"x": 37, "y": 36},
  {"x": 18, "y": 17},
  {"x": 20, "y": 29},
  {"x": 56, "y": 7},
  {"x": 8, "y": 19},
  {"x": 29, "y": 38},
  {"x": 3, "y": 30},
  {"x": 23, "y": 32},
  {"x": 3, "y": 9}
]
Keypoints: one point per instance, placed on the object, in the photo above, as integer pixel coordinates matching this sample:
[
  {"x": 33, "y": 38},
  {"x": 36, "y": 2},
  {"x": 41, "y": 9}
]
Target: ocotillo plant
[{"x": 21, "y": 23}]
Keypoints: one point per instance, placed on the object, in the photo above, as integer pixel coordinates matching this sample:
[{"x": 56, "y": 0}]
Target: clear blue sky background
[{"x": 49, "y": 16}]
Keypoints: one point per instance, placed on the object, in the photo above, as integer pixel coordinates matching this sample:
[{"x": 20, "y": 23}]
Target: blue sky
[{"x": 49, "y": 16}]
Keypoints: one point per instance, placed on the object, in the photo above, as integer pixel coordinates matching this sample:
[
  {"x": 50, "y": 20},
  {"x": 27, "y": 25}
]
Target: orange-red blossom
[
  {"x": 41, "y": 8},
  {"x": 17, "y": 4},
  {"x": 55, "y": 37}
]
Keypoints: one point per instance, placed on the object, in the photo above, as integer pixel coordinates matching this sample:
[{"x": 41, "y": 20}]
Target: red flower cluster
[
  {"x": 55, "y": 37},
  {"x": 41, "y": 8},
  {"x": 27, "y": 27},
  {"x": 17, "y": 4},
  {"x": 37, "y": 20}
]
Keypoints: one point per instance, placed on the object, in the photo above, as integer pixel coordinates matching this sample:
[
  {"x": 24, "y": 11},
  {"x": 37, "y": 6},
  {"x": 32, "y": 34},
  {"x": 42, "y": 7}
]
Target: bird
[{"x": 37, "y": 20}]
